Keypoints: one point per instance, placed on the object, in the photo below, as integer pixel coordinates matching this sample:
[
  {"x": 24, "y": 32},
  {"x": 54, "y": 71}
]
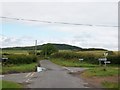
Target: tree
[{"x": 48, "y": 49}]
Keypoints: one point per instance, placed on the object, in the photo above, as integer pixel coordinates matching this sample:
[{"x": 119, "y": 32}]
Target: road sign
[
  {"x": 107, "y": 62},
  {"x": 105, "y": 54},
  {"x": 81, "y": 59},
  {"x": 102, "y": 59}
]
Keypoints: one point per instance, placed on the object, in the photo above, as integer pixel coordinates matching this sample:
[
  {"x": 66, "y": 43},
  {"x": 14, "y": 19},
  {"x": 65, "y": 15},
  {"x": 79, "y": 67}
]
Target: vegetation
[
  {"x": 89, "y": 57},
  {"x": 59, "y": 46},
  {"x": 99, "y": 72},
  {"x": 9, "y": 84},
  {"x": 18, "y": 68},
  {"x": 48, "y": 49},
  {"x": 20, "y": 59},
  {"x": 72, "y": 63},
  {"x": 111, "y": 85}
]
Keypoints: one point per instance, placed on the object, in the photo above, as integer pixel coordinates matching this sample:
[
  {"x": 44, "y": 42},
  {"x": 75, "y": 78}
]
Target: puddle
[{"x": 40, "y": 69}]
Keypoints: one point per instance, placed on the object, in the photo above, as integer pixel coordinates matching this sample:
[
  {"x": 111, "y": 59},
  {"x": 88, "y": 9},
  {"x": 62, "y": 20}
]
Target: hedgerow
[{"x": 21, "y": 59}]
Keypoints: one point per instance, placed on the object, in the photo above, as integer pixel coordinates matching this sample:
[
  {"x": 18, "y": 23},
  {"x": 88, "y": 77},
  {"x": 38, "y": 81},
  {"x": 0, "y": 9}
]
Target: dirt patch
[{"x": 97, "y": 81}]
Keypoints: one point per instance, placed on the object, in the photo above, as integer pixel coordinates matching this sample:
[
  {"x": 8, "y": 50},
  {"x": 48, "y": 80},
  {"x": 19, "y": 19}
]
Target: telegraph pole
[{"x": 35, "y": 47}]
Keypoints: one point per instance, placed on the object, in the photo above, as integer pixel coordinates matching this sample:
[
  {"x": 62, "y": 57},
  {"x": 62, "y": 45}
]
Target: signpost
[
  {"x": 81, "y": 59},
  {"x": 104, "y": 60}
]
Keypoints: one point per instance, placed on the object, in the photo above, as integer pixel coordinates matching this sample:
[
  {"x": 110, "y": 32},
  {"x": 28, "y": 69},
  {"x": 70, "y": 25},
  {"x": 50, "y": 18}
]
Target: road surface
[{"x": 54, "y": 76}]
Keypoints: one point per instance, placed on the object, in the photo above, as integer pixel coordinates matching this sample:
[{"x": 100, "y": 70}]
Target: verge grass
[
  {"x": 18, "y": 68},
  {"x": 111, "y": 85},
  {"x": 100, "y": 72},
  {"x": 9, "y": 84}
]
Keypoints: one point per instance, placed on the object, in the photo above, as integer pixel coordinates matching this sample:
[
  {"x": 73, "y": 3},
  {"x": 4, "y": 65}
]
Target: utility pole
[
  {"x": 46, "y": 53},
  {"x": 35, "y": 47}
]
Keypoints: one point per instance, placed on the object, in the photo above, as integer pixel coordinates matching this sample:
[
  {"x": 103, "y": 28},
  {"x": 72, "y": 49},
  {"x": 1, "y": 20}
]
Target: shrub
[{"x": 21, "y": 59}]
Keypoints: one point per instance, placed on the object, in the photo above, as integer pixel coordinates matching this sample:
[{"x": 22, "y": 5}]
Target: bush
[{"x": 21, "y": 59}]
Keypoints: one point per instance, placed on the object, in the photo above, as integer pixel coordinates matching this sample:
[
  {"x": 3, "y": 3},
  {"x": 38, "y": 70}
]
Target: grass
[
  {"x": 110, "y": 84},
  {"x": 72, "y": 63},
  {"x": 18, "y": 68},
  {"x": 99, "y": 72},
  {"x": 9, "y": 84}
]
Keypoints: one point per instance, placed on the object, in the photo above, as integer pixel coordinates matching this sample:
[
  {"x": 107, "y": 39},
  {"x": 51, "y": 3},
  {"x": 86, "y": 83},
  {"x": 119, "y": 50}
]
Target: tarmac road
[{"x": 54, "y": 76}]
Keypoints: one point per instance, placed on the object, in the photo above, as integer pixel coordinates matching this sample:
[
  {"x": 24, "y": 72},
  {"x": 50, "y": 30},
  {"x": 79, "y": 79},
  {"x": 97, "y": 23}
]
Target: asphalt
[{"x": 54, "y": 76}]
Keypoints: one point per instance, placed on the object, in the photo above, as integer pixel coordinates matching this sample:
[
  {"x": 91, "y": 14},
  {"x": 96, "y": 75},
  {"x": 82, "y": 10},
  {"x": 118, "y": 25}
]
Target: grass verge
[
  {"x": 110, "y": 85},
  {"x": 100, "y": 72},
  {"x": 18, "y": 68},
  {"x": 9, "y": 84},
  {"x": 106, "y": 79}
]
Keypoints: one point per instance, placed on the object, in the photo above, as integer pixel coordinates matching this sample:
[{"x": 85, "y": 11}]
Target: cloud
[
  {"x": 84, "y": 13},
  {"x": 75, "y": 12},
  {"x": 15, "y": 41}
]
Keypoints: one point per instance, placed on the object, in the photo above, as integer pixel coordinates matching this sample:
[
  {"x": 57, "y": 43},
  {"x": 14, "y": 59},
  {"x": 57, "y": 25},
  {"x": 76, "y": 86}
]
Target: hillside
[{"x": 59, "y": 46}]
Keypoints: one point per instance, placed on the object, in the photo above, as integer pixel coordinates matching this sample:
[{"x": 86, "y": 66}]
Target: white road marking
[
  {"x": 28, "y": 75},
  {"x": 1, "y": 75},
  {"x": 27, "y": 80},
  {"x": 87, "y": 87},
  {"x": 32, "y": 74}
]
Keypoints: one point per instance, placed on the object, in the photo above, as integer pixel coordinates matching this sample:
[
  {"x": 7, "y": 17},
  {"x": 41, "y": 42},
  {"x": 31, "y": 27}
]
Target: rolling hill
[{"x": 59, "y": 46}]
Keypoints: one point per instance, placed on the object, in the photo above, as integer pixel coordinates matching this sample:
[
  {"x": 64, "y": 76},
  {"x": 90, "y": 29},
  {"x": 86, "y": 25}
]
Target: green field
[
  {"x": 9, "y": 84},
  {"x": 17, "y": 51}
]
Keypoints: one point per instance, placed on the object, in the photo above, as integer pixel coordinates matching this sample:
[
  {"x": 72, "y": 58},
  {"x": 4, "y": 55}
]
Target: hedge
[
  {"x": 88, "y": 57},
  {"x": 21, "y": 59}
]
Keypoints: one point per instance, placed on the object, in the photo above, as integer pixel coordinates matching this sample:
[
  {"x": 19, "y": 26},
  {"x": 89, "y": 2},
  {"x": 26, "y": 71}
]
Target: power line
[{"x": 50, "y": 22}]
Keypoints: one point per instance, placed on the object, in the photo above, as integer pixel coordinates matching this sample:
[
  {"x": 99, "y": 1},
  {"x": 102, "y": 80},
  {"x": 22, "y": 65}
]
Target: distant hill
[{"x": 59, "y": 46}]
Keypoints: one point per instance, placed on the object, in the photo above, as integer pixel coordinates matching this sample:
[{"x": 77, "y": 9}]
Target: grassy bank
[
  {"x": 18, "y": 68},
  {"x": 9, "y": 84},
  {"x": 100, "y": 72}
]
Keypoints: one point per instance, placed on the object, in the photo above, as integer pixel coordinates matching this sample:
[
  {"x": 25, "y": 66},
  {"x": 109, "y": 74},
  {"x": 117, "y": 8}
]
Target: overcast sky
[{"x": 24, "y": 33}]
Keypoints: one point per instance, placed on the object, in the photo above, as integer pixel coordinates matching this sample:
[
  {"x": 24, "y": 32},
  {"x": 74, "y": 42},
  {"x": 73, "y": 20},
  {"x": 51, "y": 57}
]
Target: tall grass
[
  {"x": 6, "y": 85},
  {"x": 19, "y": 68}
]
